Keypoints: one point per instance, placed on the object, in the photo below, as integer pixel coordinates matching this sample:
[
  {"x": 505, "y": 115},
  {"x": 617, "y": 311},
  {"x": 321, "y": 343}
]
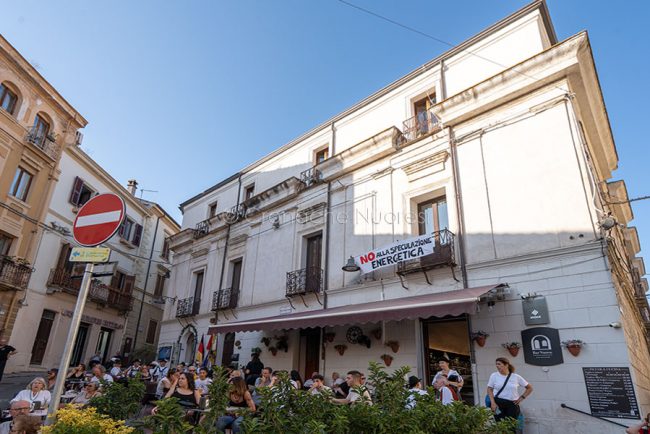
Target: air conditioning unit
[{"x": 78, "y": 138}]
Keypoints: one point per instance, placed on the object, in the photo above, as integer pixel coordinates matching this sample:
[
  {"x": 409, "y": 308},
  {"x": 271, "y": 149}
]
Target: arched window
[
  {"x": 8, "y": 98},
  {"x": 40, "y": 130}
]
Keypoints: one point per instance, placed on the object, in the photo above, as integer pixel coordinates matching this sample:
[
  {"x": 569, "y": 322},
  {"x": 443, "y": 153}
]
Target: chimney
[{"x": 132, "y": 186}]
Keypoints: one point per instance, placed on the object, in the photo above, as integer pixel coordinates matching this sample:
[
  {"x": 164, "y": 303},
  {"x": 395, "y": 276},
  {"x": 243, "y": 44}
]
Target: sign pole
[{"x": 69, "y": 345}]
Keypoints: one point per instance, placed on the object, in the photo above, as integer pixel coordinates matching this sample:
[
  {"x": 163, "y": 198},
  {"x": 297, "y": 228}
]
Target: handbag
[{"x": 488, "y": 403}]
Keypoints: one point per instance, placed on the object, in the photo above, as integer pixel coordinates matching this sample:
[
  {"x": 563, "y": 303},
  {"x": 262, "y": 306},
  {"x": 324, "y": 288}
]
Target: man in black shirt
[
  {"x": 6, "y": 350},
  {"x": 253, "y": 369}
]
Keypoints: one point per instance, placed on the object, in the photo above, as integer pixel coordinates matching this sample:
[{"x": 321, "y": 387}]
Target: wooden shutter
[
  {"x": 120, "y": 231},
  {"x": 129, "y": 281},
  {"x": 137, "y": 236},
  {"x": 75, "y": 194},
  {"x": 115, "y": 279}
]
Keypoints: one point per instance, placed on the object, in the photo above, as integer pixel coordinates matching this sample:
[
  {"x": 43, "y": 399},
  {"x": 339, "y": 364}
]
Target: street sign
[
  {"x": 98, "y": 220},
  {"x": 90, "y": 254}
]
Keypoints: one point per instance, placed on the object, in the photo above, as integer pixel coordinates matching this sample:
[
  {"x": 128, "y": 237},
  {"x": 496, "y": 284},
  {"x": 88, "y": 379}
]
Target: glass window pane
[
  {"x": 443, "y": 219},
  {"x": 426, "y": 214}
]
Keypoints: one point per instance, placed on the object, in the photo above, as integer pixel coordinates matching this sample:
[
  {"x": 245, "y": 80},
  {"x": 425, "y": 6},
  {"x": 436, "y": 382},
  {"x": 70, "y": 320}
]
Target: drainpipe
[
  {"x": 327, "y": 245},
  {"x": 146, "y": 279}
]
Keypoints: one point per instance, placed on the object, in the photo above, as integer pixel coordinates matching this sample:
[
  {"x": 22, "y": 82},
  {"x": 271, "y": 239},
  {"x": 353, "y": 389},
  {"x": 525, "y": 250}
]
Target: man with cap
[{"x": 415, "y": 389}]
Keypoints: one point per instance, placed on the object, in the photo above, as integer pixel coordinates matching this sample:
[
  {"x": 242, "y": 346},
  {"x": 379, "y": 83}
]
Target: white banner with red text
[{"x": 395, "y": 253}]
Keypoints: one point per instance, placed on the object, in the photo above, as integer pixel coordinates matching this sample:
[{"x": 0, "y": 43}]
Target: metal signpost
[{"x": 97, "y": 221}]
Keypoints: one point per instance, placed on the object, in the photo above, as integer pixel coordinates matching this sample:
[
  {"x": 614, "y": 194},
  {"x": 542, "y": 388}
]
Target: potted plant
[
  {"x": 266, "y": 340},
  {"x": 394, "y": 345},
  {"x": 479, "y": 337},
  {"x": 376, "y": 333},
  {"x": 574, "y": 346},
  {"x": 340, "y": 348},
  {"x": 387, "y": 358},
  {"x": 329, "y": 337},
  {"x": 273, "y": 350},
  {"x": 512, "y": 347},
  {"x": 282, "y": 343}
]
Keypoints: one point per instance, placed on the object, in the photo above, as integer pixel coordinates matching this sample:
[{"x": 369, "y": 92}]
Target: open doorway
[
  {"x": 310, "y": 341},
  {"x": 449, "y": 337}
]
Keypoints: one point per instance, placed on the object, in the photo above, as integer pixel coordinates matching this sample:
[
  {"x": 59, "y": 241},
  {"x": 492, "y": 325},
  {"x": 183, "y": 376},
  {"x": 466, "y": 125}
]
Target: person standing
[
  {"x": 6, "y": 350},
  {"x": 253, "y": 369},
  {"x": 454, "y": 379},
  {"x": 415, "y": 389},
  {"x": 503, "y": 390}
]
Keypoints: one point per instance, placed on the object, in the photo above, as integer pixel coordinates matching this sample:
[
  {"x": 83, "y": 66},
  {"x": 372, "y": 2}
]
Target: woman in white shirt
[
  {"x": 35, "y": 392},
  {"x": 503, "y": 390}
]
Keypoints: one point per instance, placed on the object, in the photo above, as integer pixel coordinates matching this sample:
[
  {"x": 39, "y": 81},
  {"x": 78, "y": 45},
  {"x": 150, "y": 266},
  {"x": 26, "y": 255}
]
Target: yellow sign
[{"x": 90, "y": 254}]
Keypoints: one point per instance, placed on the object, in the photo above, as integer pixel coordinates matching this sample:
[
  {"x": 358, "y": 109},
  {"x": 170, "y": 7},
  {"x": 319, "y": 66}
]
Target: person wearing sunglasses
[{"x": 90, "y": 391}]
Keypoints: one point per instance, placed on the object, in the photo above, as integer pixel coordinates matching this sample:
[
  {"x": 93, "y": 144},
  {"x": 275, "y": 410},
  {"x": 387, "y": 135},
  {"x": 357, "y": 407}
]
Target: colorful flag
[
  {"x": 200, "y": 352},
  {"x": 208, "y": 353}
]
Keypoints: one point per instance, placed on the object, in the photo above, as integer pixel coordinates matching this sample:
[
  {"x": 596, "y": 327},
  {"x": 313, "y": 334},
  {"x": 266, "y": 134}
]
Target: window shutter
[
  {"x": 75, "y": 194},
  {"x": 115, "y": 278},
  {"x": 137, "y": 236},
  {"x": 129, "y": 281},
  {"x": 120, "y": 231}
]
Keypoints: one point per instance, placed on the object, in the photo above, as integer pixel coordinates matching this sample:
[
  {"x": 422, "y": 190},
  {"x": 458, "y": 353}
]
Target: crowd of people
[{"x": 190, "y": 385}]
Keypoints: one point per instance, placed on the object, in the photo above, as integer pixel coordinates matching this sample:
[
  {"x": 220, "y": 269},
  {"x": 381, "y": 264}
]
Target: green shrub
[
  {"x": 169, "y": 418},
  {"x": 119, "y": 401}
]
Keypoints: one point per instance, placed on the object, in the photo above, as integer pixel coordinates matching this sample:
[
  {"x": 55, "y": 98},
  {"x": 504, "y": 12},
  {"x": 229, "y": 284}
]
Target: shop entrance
[{"x": 449, "y": 337}]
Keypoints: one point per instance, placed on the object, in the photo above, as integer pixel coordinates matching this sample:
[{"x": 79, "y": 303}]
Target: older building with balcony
[
  {"x": 427, "y": 216},
  {"x": 36, "y": 124}
]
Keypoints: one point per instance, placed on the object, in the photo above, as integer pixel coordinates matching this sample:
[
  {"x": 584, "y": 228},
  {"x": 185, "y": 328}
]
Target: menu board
[{"x": 611, "y": 392}]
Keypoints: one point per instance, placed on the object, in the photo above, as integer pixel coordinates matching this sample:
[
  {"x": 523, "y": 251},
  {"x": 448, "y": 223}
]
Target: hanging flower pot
[
  {"x": 340, "y": 348},
  {"x": 512, "y": 347},
  {"x": 387, "y": 358},
  {"x": 376, "y": 333},
  {"x": 329, "y": 337},
  {"x": 266, "y": 341},
  {"x": 479, "y": 337},
  {"x": 394, "y": 345},
  {"x": 273, "y": 350},
  {"x": 574, "y": 346}
]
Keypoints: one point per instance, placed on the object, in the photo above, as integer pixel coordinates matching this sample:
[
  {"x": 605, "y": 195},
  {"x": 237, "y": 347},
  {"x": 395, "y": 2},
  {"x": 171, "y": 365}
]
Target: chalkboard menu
[{"x": 611, "y": 392}]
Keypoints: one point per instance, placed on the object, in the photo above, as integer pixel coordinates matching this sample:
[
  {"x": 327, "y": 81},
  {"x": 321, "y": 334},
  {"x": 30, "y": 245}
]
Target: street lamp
[{"x": 350, "y": 266}]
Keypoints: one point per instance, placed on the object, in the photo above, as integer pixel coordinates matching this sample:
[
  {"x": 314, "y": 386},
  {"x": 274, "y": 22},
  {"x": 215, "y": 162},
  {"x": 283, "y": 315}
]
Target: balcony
[
  {"x": 44, "y": 143},
  {"x": 99, "y": 292},
  {"x": 311, "y": 177},
  {"x": 187, "y": 307},
  {"x": 443, "y": 255},
  {"x": 305, "y": 281},
  {"x": 13, "y": 274},
  {"x": 201, "y": 229},
  {"x": 225, "y": 299},
  {"x": 420, "y": 125}
]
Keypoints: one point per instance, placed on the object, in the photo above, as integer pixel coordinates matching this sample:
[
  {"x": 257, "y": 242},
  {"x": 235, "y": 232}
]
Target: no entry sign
[{"x": 98, "y": 219}]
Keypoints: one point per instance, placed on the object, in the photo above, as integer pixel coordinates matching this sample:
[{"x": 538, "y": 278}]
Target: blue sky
[{"x": 180, "y": 95}]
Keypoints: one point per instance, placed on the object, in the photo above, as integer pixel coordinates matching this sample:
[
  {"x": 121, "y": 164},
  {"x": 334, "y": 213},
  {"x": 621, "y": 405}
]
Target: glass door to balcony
[
  {"x": 313, "y": 262},
  {"x": 432, "y": 216}
]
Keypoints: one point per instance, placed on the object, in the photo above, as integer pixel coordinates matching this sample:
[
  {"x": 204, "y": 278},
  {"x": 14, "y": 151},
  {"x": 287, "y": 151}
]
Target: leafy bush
[
  {"x": 74, "y": 419},
  {"x": 120, "y": 400},
  {"x": 169, "y": 418}
]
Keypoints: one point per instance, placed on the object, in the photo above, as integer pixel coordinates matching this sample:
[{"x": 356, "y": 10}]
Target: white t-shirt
[
  {"x": 354, "y": 396},
  {"x": 326, "y": 390},
  {"x": 106, "y": 378},
  {"x": 5, "y": 427},
  {"x": 203, "y": 384},
  {"x": 510, "y": 392},
  {"x": 116, "y": 372},
  {"x": 43, "y": 396},
  {"x": 410, "y": 402},
  {"x": 446, "y": 397}
]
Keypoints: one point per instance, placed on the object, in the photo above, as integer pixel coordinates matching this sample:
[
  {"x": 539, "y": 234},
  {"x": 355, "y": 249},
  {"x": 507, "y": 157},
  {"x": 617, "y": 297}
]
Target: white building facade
[
  {"x": 120, "y": 315},
  {"x": 505, "y": 164}
]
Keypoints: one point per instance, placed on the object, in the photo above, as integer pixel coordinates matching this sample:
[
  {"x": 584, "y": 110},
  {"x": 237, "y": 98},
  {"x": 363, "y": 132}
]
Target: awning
[{"x": 455, "y": 302}]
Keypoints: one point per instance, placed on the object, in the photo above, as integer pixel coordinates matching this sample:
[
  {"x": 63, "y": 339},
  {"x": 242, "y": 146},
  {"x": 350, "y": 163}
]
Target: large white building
[
  {"x": 501, "y": 151},
  {"x": 121, "y": 313}
]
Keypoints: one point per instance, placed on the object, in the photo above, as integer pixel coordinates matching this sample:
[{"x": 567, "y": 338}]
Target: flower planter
[
  {"x": 273, "y": 351},
  {"x": 513, "y": 351},
  {"x": 340, "y": 349},
  {"x": 387, "y": 358},
  {"x": 329, "y": 337},
  {"x": 266, "y": 341},
  {"x": 394, "y": 345},
  {"x": 574, "y": 349},
  {"x": 376, "y": 333},
  {"x": 480, "y": 340}
]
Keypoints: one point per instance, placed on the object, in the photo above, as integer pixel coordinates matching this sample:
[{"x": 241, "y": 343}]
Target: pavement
[{"x": 11, "y": 384}]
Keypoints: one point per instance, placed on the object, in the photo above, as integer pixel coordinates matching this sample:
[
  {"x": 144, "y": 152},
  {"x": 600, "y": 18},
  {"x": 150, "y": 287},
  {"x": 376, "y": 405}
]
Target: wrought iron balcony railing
[
  {"x": 43, "y": 142},
  {"x": 225, "y": 299},
  {"x": 311, "y": 177},
  {"x": 236, "y": 213},
  {"x": 305, "y": 281},
  {"x": 443, "y": 255},
  {"x": 188, "y": 307},
  {"x": 99, "y": 292},
  {"x": 14, "y": 274},
  {"x": 201, "y": 229},
  {"x": 421, "y": 124},
  {"x": 62, "y": 279}
]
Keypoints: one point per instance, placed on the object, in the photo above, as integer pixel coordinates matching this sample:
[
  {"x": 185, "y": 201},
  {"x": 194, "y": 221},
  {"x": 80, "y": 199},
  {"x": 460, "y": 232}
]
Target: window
[
  {"x": 160, "y": 286},
  {"x": 432, "y": 216},
  {"x": 198, "y": 285},
  {"x": 130, "y": 231},
  {"x": 8, "y": 99},
  {"x": 40, "y": 130},
  {"x": 81, "y": 192},
  {"x": 151, "y": 332},
  {"x": 122, "y": 282},
  {"x": 425, "y": 119},
  {"x": 165, "y": 248},
  {"x": 21, "y": 184},
  {"x": 321, "y": 155},
  {"x": 249, "y": 191},
  {"x": 212, "y": 210},
  {"x": 5, "y": 244}
]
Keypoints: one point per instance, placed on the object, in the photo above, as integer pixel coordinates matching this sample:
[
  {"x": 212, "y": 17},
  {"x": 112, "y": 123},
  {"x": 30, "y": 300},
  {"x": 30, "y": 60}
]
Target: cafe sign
[
  {"x": 542, "y": 346},
  {"x": 412, "y": 248}
]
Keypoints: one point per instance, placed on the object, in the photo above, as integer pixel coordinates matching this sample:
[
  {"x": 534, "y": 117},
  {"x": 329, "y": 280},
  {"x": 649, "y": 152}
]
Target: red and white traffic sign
[{"x": 98, "y": 220}]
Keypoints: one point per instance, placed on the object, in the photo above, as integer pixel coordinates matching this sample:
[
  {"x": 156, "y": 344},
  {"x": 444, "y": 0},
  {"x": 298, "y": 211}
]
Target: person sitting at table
[
  {"x": 25, "y": 424},
  {"x": 203, "y": 381},
  {"x": 99, "y": 373},
  {"x": 17, "y": 408},
  {"x": 184, "y": 389},
  {"x": 164, "y": 384},
  {"x": 51, "y": 378},
  {"x": 116, "y": 370},
  {"x": 134, "y": 368},
  {"x": 77, "y": 373},
  {"x": 318, "y": 386},
  {"x": 90, "y": 391},
  {"x": 145, "y": 375},
  {"x": 35, "y": 392},
  {"x": 240, "y": 398}
]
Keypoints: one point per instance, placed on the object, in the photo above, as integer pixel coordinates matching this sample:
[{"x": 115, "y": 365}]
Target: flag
[
  {"x": 200, "y": 352},
  {"x": 208, "y": 351}
]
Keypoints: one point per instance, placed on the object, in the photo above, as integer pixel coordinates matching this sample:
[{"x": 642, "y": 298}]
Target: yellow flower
[{"x": 72, "y": 418}]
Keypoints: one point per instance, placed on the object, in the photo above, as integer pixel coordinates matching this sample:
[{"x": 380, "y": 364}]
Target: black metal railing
[
  {"x": 311, "y": 177},
  {"x": 443, "y": 255},
  {"x": 305, "y": 281},
  {"x": 201, "y": 229},
  {"x": 14, "y": 274},
  {"x": 225, "y": 299},
  {"x": 187, "y": 307},
  {"x": 43, "y": 142},
  {"x": 236, "y": 213},
  {"x": 423, "y": 123}
]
